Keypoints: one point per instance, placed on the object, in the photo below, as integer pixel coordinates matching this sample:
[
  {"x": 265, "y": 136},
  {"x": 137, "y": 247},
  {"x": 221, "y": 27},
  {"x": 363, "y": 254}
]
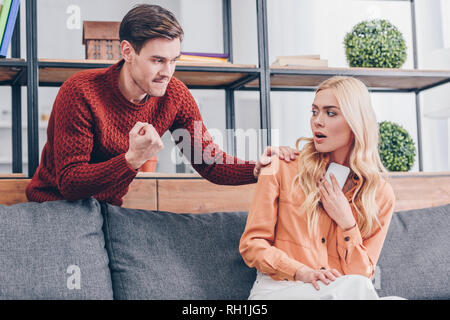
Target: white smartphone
[{"x": 339, "y": 171}]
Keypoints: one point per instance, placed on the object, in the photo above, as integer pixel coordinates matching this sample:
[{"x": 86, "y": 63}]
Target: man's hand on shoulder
[{"x": 284, "y": 153}]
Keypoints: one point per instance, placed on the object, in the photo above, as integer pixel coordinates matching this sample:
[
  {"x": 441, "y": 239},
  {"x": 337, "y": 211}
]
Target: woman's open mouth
[{"x": 319, "y": 137}]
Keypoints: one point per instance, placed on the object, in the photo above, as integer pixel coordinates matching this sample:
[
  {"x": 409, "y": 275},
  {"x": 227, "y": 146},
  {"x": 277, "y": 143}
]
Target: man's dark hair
[{"x": 148, "y": 21}]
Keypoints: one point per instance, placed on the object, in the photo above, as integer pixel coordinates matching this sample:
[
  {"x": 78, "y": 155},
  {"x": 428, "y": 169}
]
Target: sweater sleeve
[
  {"x": 256, "y": 244},
  {"x": 357, "y": 255},
  {"x": 76, "y": 176},
  {"x": 198, "y": 147}
]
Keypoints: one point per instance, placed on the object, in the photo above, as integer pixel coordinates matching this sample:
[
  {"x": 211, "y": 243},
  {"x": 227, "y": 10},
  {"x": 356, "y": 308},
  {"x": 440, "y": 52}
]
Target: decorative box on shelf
[{"x": 101, "y": 39}]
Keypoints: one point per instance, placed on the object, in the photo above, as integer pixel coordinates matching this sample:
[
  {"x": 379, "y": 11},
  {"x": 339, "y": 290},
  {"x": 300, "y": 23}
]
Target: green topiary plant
[
  {"x": 396, "y": 148},
  {"x": 375, "y": 44}
]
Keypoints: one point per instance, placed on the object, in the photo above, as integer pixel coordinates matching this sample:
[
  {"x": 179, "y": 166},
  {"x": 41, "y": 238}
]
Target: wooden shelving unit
[
  {"x": 54, "y": 72},
  {"x": 377, "y": 79},
  {"x": 34, "y": 72},
  {"x": 11, "y": 70}
]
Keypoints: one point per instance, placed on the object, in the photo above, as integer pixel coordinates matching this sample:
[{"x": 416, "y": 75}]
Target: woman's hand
[
  {"x": 308, "y": 275},
  {"x": 335, "y": 203}
]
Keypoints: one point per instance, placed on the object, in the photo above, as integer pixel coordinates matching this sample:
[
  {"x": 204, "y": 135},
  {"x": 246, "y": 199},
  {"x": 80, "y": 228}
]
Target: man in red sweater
[{"x": 106, "y": 123}]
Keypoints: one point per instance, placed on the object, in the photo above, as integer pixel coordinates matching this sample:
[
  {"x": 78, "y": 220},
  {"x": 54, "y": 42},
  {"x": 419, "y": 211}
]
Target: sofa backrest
[
  {"x": 162, "y": 255},
  {"x": 56, "y": 250},
  {"x": 415, "y": 259},
  {"x": 53, "y": 250}
]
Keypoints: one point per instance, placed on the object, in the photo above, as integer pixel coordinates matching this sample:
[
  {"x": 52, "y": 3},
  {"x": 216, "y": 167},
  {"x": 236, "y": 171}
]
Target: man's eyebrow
[
  {"x": 158, "y": 57},
  {"x": 325, "y": 107},
  {"x": 165, "y": 58}
]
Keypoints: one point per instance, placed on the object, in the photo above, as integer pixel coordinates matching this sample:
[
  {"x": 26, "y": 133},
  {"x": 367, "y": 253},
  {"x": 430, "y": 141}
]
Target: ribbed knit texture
[{"x": 88, "y": 136}]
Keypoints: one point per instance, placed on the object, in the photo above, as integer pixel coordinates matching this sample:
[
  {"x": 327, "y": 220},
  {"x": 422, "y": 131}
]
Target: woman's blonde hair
[{"x": 354, "y": 102}]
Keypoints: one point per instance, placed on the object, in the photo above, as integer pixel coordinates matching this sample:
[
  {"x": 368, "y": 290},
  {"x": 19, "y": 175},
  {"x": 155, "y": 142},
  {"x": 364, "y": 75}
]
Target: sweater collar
[{"x": 113, "y": 76}]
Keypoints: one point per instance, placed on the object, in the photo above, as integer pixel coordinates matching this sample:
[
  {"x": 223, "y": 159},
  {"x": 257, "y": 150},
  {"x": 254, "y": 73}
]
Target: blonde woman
[{"x": 307, "y": 238}]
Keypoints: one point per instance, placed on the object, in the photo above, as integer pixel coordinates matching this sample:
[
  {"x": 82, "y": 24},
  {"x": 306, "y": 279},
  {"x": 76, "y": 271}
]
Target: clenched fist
[{"x": 144, "y": 143}]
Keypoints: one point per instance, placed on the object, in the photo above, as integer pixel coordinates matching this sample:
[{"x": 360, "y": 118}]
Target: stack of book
[
  {"x": 202, "y": 58},
  {"x": 8, "y": 15},
  {"x": 300, "y": 61}
]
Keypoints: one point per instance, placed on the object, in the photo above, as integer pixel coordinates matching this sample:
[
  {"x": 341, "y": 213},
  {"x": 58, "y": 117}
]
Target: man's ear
[{"x": 127, "y": 51}]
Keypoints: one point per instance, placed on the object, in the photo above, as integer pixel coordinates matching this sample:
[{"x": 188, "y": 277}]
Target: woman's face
[{"x": 330, "y": 130}]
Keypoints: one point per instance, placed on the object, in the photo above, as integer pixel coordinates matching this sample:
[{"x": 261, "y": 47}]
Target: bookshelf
[
  {"x": 214, "y": 76},
  {"x": 377, "y": 79},
  {"x": 54, "y": 72},
  {"x": 33, "y": 72},
  {"x": 11, "y": 70}
]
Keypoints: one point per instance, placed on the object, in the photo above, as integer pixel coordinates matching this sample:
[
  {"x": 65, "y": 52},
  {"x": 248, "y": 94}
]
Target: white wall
[{"x": 433, "y": 34}]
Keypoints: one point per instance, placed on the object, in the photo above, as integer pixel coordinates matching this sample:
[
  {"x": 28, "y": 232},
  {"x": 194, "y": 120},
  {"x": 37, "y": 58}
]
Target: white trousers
[{"x": 348, "y": 287}]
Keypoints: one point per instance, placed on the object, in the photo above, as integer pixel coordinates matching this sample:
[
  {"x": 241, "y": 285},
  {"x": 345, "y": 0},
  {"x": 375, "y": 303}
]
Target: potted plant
[
  {"x": 375, "y": 44},
  {"x": 396, "y": 148}
]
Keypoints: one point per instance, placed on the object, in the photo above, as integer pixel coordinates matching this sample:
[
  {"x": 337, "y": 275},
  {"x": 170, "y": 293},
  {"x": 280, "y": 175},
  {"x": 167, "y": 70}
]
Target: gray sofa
[{"x": 91, "y": 250}]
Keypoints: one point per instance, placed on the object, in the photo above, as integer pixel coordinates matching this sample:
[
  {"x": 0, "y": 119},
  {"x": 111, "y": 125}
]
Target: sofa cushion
[
  {"x": 53, "y": 250},
  {"x": 162, "y": 255},
  {"x": 415, "y": 259}
]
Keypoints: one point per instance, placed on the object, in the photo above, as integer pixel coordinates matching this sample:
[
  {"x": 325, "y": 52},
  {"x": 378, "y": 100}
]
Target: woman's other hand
[{"x": 308, "y": 275}]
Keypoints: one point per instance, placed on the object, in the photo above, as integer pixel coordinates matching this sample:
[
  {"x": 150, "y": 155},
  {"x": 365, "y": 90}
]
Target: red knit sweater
[{"x": 87, "y": 138}]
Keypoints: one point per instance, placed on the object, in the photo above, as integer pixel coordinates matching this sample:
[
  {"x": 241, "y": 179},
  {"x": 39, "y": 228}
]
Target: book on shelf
[
  {"x": 9, "y": 28},
  {"x": 203, "y": 57},
  {"x": 4, "y": 17},
  {"x": 206, "y": 54},
  {"x": 301, "y": 61}
]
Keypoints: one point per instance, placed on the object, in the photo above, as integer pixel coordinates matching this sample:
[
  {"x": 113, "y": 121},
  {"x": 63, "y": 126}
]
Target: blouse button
[
  {"x": 323, "y": 240},
  {"x": 347, "y": 238}
]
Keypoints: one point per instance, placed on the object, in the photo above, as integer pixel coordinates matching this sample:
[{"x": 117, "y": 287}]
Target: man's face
[{"x": 152, "y": 69}]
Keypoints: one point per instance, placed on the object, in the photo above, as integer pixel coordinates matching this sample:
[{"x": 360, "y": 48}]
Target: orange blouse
[{"x": 276, "y": 240}]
